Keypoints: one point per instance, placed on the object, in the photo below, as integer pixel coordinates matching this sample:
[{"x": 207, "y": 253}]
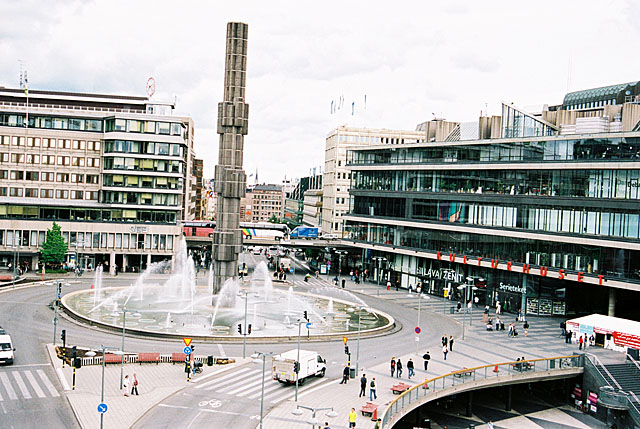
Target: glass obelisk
[{"x": 230, "y": 180}]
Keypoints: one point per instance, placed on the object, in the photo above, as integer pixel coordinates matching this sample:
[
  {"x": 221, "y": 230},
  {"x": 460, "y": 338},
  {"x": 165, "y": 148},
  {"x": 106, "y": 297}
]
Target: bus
[{"x": 267, "y": 230}]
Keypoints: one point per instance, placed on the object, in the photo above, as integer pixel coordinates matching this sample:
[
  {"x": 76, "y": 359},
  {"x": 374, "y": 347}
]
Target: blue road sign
[
  {"x": 308, "y": 325},
  {"x": 187, "y": 350},
  {"x": 102, "y": 408}
]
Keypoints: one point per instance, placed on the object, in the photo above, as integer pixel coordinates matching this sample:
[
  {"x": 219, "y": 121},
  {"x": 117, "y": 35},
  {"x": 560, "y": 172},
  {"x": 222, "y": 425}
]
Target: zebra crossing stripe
[
  {"x": 221, "y": 378},
  {"x": 230, "y": 385},
  {"x": 266, "y": 390},
  {"x": 7, "y": 386},
  {"x": 249, "y": 386},
  {"x": 45, "y": 380},
  {"x": 21, "y": 385},
  {"x": 290, "y": 393},
  {"x": 232, "y": 380},
  {"x": 34, "y": 384}
]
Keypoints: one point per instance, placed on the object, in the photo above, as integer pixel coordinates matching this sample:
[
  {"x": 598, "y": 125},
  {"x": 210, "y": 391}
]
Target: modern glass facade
[{"x": 556, "y": 203}]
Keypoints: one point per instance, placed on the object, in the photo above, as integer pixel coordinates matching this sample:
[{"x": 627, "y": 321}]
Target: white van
[{"x": 6, "y": 349}]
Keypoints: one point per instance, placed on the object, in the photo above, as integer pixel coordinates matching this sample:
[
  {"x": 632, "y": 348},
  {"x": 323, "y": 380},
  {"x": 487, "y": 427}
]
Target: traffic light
[
  {"x": 296, "y": 367},
  {"x": 306, "y": 316},
  {"x": 63, "y": 337},
  {"x": 77, "y": 362},
  {"x": 346, "y": 350},
  {"x": 74, "y": 352},
  {"x": 249, "y": 329},
  {"x": 240, "y": 328}
]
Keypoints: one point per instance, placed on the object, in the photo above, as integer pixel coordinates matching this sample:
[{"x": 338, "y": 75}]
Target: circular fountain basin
[{"x": 274, "y": 316}]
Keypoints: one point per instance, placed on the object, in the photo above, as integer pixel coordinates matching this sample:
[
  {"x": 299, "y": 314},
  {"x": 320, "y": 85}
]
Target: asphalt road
[{"x": 38, "y": 397}]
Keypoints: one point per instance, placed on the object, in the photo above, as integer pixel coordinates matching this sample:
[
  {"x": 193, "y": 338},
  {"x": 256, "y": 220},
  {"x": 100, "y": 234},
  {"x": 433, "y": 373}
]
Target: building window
[
  {"x": 31, "y": 192},
  {"x": 32, "y": 175},
  {"x": 17, "y": 175},
  {"x": 62, "y": 177},
  {"x": 15, "y": 192},
  {"x": 46, "y": 193},
  {"x": 76, "y": 195},
  {"x": 62, "y": 194}
]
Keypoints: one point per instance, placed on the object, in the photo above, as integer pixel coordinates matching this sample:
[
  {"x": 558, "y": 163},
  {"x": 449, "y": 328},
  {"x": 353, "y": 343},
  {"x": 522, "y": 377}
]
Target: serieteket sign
[{"x": 512, "y": 288}]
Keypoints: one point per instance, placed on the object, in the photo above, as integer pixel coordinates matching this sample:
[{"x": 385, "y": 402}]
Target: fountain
[{"x": 167, "y": 302}]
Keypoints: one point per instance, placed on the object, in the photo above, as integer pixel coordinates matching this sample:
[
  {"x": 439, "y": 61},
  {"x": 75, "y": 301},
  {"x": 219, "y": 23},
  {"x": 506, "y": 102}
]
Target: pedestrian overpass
[
  {"x": 193, "y": 241},
  {"x": 469, "y": 379}
]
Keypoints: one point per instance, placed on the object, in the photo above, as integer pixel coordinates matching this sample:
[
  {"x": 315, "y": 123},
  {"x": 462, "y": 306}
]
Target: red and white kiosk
[{"x": 609, "y": 332}]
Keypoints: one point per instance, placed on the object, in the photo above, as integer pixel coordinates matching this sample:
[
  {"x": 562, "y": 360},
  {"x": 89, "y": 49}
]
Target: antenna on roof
[{"x": 569, "y": 67}]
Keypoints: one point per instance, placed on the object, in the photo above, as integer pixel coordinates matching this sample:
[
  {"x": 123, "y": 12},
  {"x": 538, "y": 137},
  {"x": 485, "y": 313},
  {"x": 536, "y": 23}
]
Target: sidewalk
[
  {"x": 480, "y": 347},
  {"x": 156, "y": 382}
]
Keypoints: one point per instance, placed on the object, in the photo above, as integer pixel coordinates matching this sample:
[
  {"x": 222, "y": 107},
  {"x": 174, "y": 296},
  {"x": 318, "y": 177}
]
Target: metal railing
[{"x": 455, "y": 378}]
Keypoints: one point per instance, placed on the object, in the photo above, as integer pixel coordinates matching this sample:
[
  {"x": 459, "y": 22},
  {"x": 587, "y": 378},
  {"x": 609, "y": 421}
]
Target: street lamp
[
  {"x": 256, "y": 358},
  {"x": 313, "y": 421},
  {"x": 420, "y": 298},
  {"x": 244, "y": 295},
  {"x": 358, "y": 343},
  {"x": 56, "y": 302},
  {"x": 379, "y": 260},
  {"x": 464, "y": 314},
  {"x": 124, "y": 324},
  {"x": 82, "y": 243},
  {"x": 340, "y": 254},
  {"x": 91, "y": 354}
]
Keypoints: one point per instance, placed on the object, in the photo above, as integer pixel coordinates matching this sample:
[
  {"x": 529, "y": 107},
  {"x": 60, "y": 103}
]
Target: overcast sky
[{"x": 410, "y": 59}]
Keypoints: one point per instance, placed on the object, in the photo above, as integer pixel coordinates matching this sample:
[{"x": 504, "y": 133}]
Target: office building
[
  {"x": 264, "y": 202},
  {"x": 112, "y": 170},
  {"x": 537, "y": 211}
]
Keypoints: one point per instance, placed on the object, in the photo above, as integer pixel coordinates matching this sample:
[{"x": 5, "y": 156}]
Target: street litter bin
[
  {"x": 452, "y": 310},
  {"x": 352, "y": 372},
  {"x": 210, "y": 360},
  {"x": 426, "y": 423}
]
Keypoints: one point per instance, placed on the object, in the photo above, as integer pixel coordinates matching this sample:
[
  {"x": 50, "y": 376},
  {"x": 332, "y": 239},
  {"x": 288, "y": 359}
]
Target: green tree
[
  {"x": 274, "y": 219},
  {"x": 54, "y": 248}
]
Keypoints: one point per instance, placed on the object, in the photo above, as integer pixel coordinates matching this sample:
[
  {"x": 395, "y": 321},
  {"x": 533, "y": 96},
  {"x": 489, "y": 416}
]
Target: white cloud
[{"x": 409, "y": 58}]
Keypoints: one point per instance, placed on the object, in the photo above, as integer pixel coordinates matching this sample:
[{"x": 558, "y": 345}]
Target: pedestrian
[
  {"x": 586, "y": 342},
  {"x": 490, "y": 425},
  {"x": 372, "y": 390},
  {"x": 399, "y": 368},
  {"x": 526, "y": 328},
  {"x": 445, "y": 350},
  {"x": 458, "y": 307},
  {"x": 498, "y": 307},
  {"x": 444, "y": 340},
  {"x": 378, "y": 424},
  {"x": 393, "y": 365},
  {"x": 410, "y": 367},
  {"x": 497, "y": 323},
  {"x": 352, "y": 418},
  {"x": 345, "y": 375},
  {"x": 125, "y": 385},
  {"x": 115, "y": 269},
  {"x": 343, "y": 283},
  {"x": 134, "y": 388},
  {"x": 351, "y": 275},
  {"x": 580, "y": 340},
  {"x": 363, "y": 385},
  {"x": 450, "y": 343},
  {"x": 326, "y": 425},
  {"x": 426, "y": 358},
  {"x": 563, "y": 327},
  {"x": 476, "y": 300},
  {"x": 388, "y": 285}
]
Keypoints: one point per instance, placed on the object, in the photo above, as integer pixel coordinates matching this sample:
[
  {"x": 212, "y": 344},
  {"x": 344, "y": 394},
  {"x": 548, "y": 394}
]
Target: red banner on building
[{"x": 629, "y": 340}]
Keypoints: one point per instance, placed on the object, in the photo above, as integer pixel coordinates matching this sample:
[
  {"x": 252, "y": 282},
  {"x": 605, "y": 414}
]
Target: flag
[
  {"x": 353, "y": 108},
  {"x": 331, "y": 106},
  {"x": 365, "y": 102}
]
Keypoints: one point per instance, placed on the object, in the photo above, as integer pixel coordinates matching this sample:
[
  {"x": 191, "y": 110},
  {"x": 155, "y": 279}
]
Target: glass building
[{"x": 543, "y": 219}]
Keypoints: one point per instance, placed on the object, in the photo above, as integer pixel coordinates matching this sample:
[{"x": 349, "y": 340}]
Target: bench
[
  {"x": 148, "y": 358},
  {"x": 524, "y": 366},
  {"x": 368, "y": 409},
  {"x": 463, "y": 373},
  {"x": 399, "y": 388},
  {"x": 178, "y": 357},
  {"x": 111, "y": 358}
]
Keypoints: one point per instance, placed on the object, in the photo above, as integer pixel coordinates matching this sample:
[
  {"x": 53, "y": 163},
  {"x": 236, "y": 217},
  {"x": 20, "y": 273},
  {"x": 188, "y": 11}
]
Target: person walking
[
  {"x": 125, "y": 385},
  {"x": 498, "y": 308},
  {"x": 399, "y": 368},
  {"x": 372, "y": 390},
  {"x": 450, "y": 343},
  {"x": 352, "y": 418},
  {"x": 525, "y": 326},
  {"x": 444, "y": 340},
  {"x": 388, "y": 285},
  {"x": 343, "y": 283},
  {"x": 427, "y": 358},
  {"x": 345, "y": 375},
  {"x": 445, "y": 350},
  {"x": 410, "y": 367},
  {"x": 134, "y": 387},
  {"x": 580, "y": 340},
  {"x": 393, "y": 366},
  {"x": 363, "y": 386}
]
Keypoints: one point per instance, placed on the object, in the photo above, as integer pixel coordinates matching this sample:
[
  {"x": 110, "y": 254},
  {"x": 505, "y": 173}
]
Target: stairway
[{"x": 626, "y": 374}]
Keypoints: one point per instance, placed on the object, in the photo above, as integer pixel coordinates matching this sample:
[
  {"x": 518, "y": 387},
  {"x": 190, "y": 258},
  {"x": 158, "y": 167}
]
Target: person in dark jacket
[
  {"x": 345, "y": 375},
  {"x": 363, "y": 385},
  {"x": 410, "y": 367},
  {"x": 399, "y": 368},
  {"x": 427, "y": 358}
]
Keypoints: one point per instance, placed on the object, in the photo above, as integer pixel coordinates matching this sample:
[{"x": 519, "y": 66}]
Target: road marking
[
  {"x": 221, "y": 350},
  {"x": 320, "y": 385},
  {"x": 30, "y": 365},
  {"x": 34, "y": 384},
  {"x": 232, "y": 379},
  {"x": 224, "y": 377},
  {"x": 45, "y": 380},
  {"x": 205, "y": 410},
  {"x": 194, "y": 419},
  {"x": 7, "y": 386},
  {"x": 231, "y": 384},
  {"x": 249, "y": 386},
  {"x": 290, "y": 393},
  {"x": 21, "y": 385},
  {"x": 63, "y": 381},
  {"x": 266, "y": 390}
]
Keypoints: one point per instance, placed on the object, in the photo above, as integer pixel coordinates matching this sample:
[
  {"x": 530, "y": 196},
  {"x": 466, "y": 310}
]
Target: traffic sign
[
  {"x": 102, "y": 408},
  {"x": 345, "y": 340},
  {"x": 418, "y": 330},
  {"x": 187, "y": 341},
  {"x": 187, "y": 350},
  {"x": 308, "y": 325}
]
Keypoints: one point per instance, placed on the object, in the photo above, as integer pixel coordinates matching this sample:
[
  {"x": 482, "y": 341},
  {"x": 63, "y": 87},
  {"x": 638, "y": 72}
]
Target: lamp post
[
  {"x": 420, "y": 298},
  {"x": 256, "y": 356},
  {"x": 313, "y": 421},
  {"x": 358, "y": 343},
  {"x": 55, "y": 308},
  {"x": 340, "y": 253},
  {"x": 16, "y": 250},
  {"x": 464, "y": 314},
  {"x": 245, "y": 295},
  {"x": 298, "y": 358},
  {"x": 124, "y": 324},
  {"x": 91, "y": 354}
]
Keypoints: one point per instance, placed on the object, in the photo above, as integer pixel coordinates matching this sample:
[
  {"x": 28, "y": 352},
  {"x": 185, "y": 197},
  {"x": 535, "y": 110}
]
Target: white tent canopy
[{"x": 623, "y": 332}]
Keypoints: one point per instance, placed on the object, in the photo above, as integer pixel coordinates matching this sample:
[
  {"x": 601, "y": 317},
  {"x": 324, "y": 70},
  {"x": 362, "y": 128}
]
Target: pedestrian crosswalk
[
  {"x": 246, "y": 382},
  {"x": 25, "y": 384}
]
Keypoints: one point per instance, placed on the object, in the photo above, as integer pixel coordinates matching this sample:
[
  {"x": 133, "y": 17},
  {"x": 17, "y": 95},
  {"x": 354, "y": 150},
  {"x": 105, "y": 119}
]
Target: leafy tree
[
  {"x": 54, "y": 248},
  {"x": 274, "y": 219}
]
